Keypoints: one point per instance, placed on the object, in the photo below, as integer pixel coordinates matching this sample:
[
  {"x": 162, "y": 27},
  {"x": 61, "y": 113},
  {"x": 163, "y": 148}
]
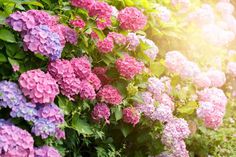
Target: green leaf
[
  {"x": 7, "y": 36},
  {"x": 3, "y": 58},
  {"x": 189, "y": 108},
  {"x": 81, "y": 126},
  {"x": 126, "y": 130},
  {"x": 65, "y": 105},
  {"x": 118, "y": 113},
  {"x": 35, "y": 3},
  {"x": 48, "y": 2},
  {"x": 13, "y": 62},
  {"x": 129, "y": 2},
  {"x": 157, "y": 68},
  {"x": 11, "y": 49}
]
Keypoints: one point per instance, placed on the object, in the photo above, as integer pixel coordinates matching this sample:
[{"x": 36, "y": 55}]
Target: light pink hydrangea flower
[
  {"x": 119, "y": 39},
  {"x": 217, "y": 77},
  {"x": 231, "y": 68}
]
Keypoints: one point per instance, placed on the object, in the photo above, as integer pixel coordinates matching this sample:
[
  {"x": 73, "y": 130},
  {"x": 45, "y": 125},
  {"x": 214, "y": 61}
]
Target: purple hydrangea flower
[
  {"x": 46, "y": 151},
  {"x": 25, "y": 110},
  {"x": 10, "y": 94},
  {"x": 44, "y": 128},
  {"x": 52, "y": 113},
  {"x": 41, "y": 39}
]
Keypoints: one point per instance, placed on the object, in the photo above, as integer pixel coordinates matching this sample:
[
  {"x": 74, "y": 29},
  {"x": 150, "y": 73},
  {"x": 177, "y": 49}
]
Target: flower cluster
[
  {"x": 128, "y": 66},
  {"x": 10, "y": 94},
  {"x": 163, "y": 13},
  {"x": 41, "y": 32},
  {"x": 231, "y": 68},
  {"x": 85, "y": 4},
  {"x": 131, "y": 18},
  {"x": 109, "y": 95},
  {"x": 177, "y": 63},
  {"x": 101, "y": 111},
  {"x": 15, "y": 141},
  {"x": 152, "y": 49},
  {"x": 41, "y": 39},
  {"x": 118, "y": 39},
  {"x": 38, "y": 86},
  {"x": 132, "y": 41},
  {"x": 106, "y": 45},
  {"x": 78, "y": 22},
  {"x": 46, "y": 151},
  {"x": 131, "y": 115},
  {"x": 212, "y": 106},
  {"x": 101, "y": 74},
  {"x": 75, "y": 77},
  {"x": 174, "y": 133}
]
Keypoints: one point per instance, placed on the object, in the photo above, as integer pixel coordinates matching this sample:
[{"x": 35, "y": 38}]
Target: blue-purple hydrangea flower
[{"x": 44, "y": 128}]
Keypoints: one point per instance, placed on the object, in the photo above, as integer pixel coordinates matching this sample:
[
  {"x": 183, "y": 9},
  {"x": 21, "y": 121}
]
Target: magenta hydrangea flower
[
  {"x": 231, "y": 68},
  {"x": 25, "y": 110},
  {"x": 106, "y": 45},
  {"x": 101, "y": 111},
  {"x": 46, "y": 151},
  {"x": 100, "y": 9},
  {"x": 94, "y": 80},
  {"x": 109, "y": 95},
  {"x": 85, "y": 4},
  {"x": 52, "y": 113},
  {"x": 44, "y": 128},
  {"x": 70, "y": 87},
  {"x": 41, "y": 39},
  {"x": 175, "y": 130},
  {"x": 87, "y": 90},
  {"x": 131, "y": 115},
  {"x": 118, "y": 39},
  {"x": 132, "y": 41},
  {"x": 24, "y": 21},
  {"x": 38, "y": 86},
  {"x": 15, "y": 141},
  {"x": 78, "y": 22},
  {"x": 103, "y": 23},
  {"x": 131, "y": 18},
  {"x": 60, "y": 69},
  {"x": 128, "y": 66},
  {"x": 81, "y": 66},
  {"x": 101, "y": 74},
  {"x": 10, "y": 94}
]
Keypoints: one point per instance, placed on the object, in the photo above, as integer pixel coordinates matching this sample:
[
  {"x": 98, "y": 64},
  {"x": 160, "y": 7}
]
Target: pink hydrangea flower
[
  {"x": 202, "y": 80},
  {"x": 15, "y": 141},
  {"x": 87, "y": 90},
  {"x": 109, "y": 95},
  {"x": 156, "y": 87},
  {"x": 175, "y": 61},
  {"x": 81, "y": 66},
  {"x": 106, "y": 45},
  {"x": 131, "y": 18},
  {"x": 189, "y": 70},
  {"x": 179, "y": 149},
  {"x": 165, "y": 99},
  {"x": 131, "y": 115},
  {"x": 94, "y": 35},
  {"x": 231, "y": 68},
  {"x": 94, "y": 80},
  {"x": 101, "y": 111},
  {"x": 128, "y": 66},
  {"x": 100, "y": 9},
  {"x": 78, "y": 22},
  {"x": 101, "y": 74},
  {"x": 217, "y": 77},
  {"x": 46, "y": 151},
  {"x": 211, "y": 114},
  {"x": 60, "y": 69},
  {"x": 119, "y": 39},
  {"x": 163, "y": 113},
  {"x": 103, "y": 22},
  {"x": 38, "y": 86},
  {"x": 85, "y": 4},
  {"x": 175, "y": 130}
]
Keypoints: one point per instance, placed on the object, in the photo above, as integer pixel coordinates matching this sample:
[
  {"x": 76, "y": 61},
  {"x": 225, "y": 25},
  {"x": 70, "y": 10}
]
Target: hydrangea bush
[{"x": 117, "y": 78}]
